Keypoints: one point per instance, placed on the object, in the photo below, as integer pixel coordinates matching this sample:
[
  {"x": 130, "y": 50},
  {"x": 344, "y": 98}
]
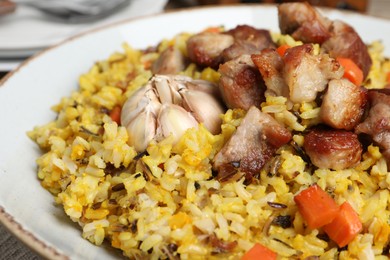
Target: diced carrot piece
[
  {"x": 316, "y": 206},
  {"x": 147, "y": 64},
  {"x": 282, "y": 49},
  {"x": 213, "y": 29},
  {"x": 259, "y": 251},
  {"x": 115, "y": 114},
  {"x": 345, "y": 226},
  {"x": 351, "y": 71}
]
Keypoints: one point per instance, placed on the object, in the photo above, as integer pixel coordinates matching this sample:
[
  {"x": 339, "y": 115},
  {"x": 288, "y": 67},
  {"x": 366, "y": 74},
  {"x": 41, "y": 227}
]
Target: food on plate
[{"x": 233, "y": 143}]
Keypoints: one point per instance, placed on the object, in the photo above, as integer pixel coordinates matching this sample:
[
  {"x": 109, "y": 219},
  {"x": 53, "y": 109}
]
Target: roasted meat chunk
[
  {"x": 171, "y": 61},
  {"x": 303, "y": 22},
  {"x": 251, "y": 146},
  {"x": 205, "y": 49},
  {"x": 343, "y": 104},
  {"x": 377, "y": 124},
  {"x": 346, "y": 42},
  {"x": 338, "y": 39},
  {"x": 307, "y": 74},
  {"x": 271, "y": 65},
  {"x": 333, "y": 149},
  {"x": 241, "y": 84},
  {"x": 247, "y": 40}
]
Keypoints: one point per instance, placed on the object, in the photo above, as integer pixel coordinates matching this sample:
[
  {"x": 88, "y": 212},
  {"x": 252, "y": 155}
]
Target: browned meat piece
[
  {"x": 251, "y": 146},
  {"x": 247, "y": 40},
  {"x": 338, "y": 39},
  {"x": 271, "y": 65},
  {"x": 307, "y": 74},
  {"x": 240, "y": 84},
  {"x": 333, "y": 149},
  {"x": 377, "y": 124},
  {"x": 171, "y": 61},
  {"x": 205, "y": 48},
  {"x": 343, "y": 104},
  {"x": 303, "y": 22},
  {"x": 345, "y": 42}
]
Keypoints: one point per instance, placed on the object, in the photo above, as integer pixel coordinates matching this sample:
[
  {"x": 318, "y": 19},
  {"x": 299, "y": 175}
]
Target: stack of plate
[{"x": 28, "y": 31}]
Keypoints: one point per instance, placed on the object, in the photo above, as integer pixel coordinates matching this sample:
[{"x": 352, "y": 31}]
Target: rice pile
[{"x": 165, "y": 203}]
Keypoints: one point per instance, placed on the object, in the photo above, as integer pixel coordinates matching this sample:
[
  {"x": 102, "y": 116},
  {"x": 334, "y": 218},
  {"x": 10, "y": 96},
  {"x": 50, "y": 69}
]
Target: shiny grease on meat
[
  {"x": 307, "y": 74},
  {"x": 343, "y": 104},
  {"x": 333, "y": 149}
]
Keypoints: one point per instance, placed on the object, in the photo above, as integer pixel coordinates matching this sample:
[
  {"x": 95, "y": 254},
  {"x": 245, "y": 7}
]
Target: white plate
[
  {"x": 27, "y": 95},
  {"x": 28, "y": 30}
]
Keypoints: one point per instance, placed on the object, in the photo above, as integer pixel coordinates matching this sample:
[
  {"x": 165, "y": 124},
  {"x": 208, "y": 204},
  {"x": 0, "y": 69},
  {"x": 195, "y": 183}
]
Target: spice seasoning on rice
[{"x": 166, "y": 202}]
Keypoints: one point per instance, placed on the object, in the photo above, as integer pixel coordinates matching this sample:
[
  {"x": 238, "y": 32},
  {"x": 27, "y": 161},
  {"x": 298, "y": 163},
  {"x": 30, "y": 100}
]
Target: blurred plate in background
[{"x": 28, "y": 30}]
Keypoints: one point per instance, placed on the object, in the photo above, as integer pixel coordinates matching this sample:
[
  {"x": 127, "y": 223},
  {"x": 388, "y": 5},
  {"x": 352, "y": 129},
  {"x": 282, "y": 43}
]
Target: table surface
[{"x": 12, "y": 248}]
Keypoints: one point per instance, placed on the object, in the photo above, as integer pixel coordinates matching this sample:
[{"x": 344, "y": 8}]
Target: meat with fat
[
  {"x": 307, "y": 74},
  {"x": 271, "y": 65},
  {"x": 343, "y": 104},
  {"x": 241, "y": 84},
  {"x": 205, "y": 49},
  {"x": 303, "y": 22},
  {"x": 247, "y": 40},
  {"x": 377, "y": 124},
  {"x": 333, "y": 149},
  {"x": 255, "y": 141},
  {"x": 337, "y": 38},
  {"x": 346, "y": 42}
]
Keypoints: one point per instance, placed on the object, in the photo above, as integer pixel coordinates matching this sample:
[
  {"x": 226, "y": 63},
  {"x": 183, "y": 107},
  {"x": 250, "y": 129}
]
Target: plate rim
[{"x": 28, "y": 238}]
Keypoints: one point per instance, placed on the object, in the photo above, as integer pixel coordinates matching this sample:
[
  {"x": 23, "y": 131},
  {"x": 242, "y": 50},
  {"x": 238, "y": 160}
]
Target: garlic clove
[
  {"x": 163, "y": 89},
  {"x": 176, "y": 83},
  {"x": 154, "y": 104},
  {"x": 166, "y": 88},
  {"x": 204, "y": 107},
  {"x": 169, "y": 105},
  {"x": 142, "y": 130},
  {"x": 173, "y": 120},
  {"x": 135, "y": 104}
]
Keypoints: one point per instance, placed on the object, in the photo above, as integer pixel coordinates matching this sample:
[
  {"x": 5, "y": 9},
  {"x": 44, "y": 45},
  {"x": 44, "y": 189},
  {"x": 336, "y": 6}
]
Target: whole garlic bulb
[{"x": 169, "y": 105}]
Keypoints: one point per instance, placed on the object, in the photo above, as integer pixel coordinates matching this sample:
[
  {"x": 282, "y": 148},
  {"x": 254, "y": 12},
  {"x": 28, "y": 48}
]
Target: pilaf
[{"x": 164, "y": 203}]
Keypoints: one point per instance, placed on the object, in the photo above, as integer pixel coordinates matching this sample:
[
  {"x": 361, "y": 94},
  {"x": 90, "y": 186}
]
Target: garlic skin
[
  {"x": 169, "y": 105},
  {"x": 174, "y": 120},
  {"x": 144, "y": 98},
  {"x": 200, "y": 104},
  {"x": 142, "y": 129}
]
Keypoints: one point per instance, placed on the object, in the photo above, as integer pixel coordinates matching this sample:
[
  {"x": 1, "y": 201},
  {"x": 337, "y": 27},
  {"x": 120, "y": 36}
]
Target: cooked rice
[{"x": 167, "y": 203}]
